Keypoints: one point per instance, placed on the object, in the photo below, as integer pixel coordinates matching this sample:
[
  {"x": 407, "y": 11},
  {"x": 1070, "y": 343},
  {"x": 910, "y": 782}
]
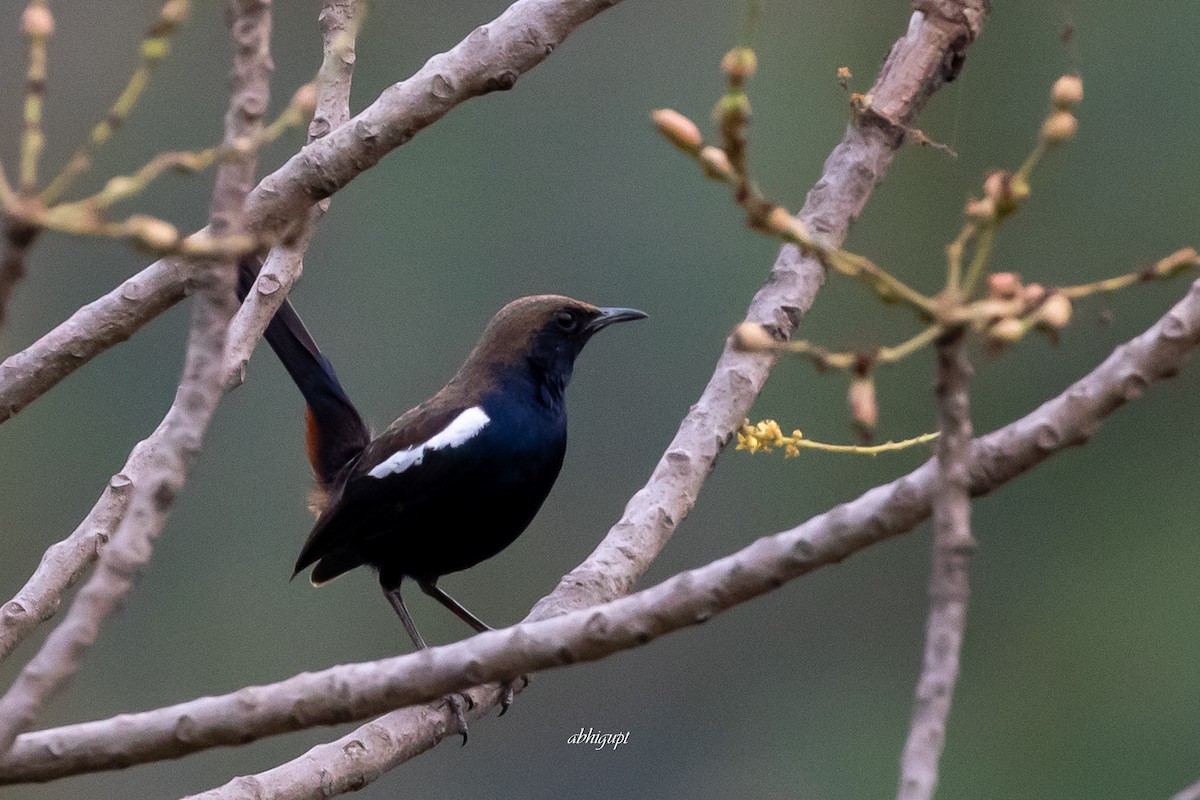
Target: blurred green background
[{"x": 1079, "y": 675}]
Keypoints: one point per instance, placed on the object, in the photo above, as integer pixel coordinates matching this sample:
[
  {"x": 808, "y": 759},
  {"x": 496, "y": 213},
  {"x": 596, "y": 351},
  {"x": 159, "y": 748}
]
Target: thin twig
[
  {"x": 38, "y": 25},
  {"x": 174, "y": 444},
  {"x": 360, "y": 690},
  {"x": 948, "y": 583},
  {"x": 155, "y": 46},
  {"x": 852, "y": 359}
]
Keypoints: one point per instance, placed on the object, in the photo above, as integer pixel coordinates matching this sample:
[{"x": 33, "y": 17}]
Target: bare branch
[
  {"x": 948, "y": 584},
  {"x": 174, "y": 444},
  {"x": 360, "y": 690},
  {"x": 491, "y": 58},
  {"x": 65, "y": 562},
  {"x": 281, "y": 269},
  {"x": 1190, "y": 793}
]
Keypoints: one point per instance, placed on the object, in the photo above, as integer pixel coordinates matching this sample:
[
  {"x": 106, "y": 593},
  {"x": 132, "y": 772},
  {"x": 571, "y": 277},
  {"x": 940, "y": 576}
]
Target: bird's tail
[{"x": 335, "y": 432}]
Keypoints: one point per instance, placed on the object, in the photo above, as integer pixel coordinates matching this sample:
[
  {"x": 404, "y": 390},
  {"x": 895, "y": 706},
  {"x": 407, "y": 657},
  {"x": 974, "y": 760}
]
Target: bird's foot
[
  {"x": 507, "y": 693},
  {"x": 460, "y": 703}
]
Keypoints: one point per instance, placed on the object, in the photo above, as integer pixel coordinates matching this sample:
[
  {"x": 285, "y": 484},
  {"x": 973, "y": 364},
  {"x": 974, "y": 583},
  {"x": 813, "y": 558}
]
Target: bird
[{"x": 455, "y": 479}]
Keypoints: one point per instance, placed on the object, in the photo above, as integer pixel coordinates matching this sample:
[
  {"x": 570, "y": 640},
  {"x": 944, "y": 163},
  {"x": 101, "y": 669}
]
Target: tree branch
[
  {"x": 491, "y": 58},
  {"x": 281, "y": 269},
  {"x": 1190, "y": 793},
  {"x": 948, "y": 583},
  {"x": 170, "y": 450},
  {"x": 359, "y": 690}
]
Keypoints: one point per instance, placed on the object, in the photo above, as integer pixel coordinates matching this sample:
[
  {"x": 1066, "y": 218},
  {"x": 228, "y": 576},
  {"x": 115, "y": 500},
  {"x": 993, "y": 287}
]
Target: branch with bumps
[{"x": 948, "y": 579}]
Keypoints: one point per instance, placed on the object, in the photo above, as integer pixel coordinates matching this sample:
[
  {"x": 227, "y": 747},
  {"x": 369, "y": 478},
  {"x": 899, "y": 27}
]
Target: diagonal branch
[
  {"x": 1190, "y": 793},
  {"x": 948, "y": 585},
  {"x": 355, "y": 691},
  {"x": 173, "y": 446}
]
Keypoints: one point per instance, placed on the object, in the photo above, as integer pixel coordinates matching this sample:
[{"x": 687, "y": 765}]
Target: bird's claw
[
  {"x": 460, "y": 703},
  {"x": 507, "y": 694}
]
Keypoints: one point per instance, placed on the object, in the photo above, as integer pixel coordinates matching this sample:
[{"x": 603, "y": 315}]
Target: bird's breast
[{"x": 527, "y": 438}]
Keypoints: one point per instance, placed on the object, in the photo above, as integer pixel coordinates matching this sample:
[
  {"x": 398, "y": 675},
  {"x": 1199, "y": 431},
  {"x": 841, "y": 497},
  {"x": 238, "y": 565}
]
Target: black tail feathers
[{"x": 335, "y": 430}]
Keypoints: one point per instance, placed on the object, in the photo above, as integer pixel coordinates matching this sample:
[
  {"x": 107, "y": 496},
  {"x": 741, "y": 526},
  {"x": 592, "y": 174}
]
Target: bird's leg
[
  {"x": 458, "y": 702},
  {"x": 459, "y": 610},
  {"x": 431, "y": 588},
  {"x": 393, "y": 596}
]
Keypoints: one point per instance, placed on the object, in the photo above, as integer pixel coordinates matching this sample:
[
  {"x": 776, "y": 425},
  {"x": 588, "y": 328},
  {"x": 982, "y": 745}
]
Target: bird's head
[{"x": 543, "y": 333}]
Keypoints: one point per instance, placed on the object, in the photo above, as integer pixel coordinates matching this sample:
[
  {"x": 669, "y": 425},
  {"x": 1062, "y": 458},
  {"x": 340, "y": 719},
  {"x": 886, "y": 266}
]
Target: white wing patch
[{"x": 461, "y": 428}]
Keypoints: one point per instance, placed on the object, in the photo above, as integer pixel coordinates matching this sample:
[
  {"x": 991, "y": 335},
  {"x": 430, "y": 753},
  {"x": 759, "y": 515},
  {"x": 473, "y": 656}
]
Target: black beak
[{"x": 608, "y": 316}]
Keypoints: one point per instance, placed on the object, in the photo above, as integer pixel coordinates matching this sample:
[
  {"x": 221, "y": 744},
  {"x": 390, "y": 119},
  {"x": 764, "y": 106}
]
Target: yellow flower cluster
[{"x": 766, "y": 436}]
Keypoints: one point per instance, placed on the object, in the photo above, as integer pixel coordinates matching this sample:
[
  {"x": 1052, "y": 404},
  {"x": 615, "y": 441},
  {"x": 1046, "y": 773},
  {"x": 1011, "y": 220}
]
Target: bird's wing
[{"x": 391, "y": 469}]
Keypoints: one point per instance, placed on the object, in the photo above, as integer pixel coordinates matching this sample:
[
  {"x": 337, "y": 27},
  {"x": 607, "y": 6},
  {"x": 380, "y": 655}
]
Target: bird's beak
[{"x": 607, "y": 316}]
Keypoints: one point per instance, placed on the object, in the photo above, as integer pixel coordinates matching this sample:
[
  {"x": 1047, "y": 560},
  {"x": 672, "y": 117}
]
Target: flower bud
[
  {"x": 1006, "y": 190},
  {"x": 1009, "y": 329},
  {"x": 678, "y": 130},
  {"x": 156, "y": 49},
  {"x": 1004, "y": 285},
  {"x": 983, "y": 209},
  {"x": 716, "y": 163},
  {"x": 1067, "y": 91},
  {"x": 780, "y": 221},
  {"x": 750, "y": 337},
  {"x": 1056, "y": 311},
  {"x": 305, "y": 99},
  {"x": 1177, "y": 262},
  {"x": 739, "y": 64},
  {"x": 156, "y": 233},
  {"x": 37, "y": 21},
  {"x": 864, "y": 409},
  {"x": 732, "y": 108},
  {"x": 175, "y": 12},
  {"x": 1059, "y": 127},
  {"x": 1032, "y": 295}
]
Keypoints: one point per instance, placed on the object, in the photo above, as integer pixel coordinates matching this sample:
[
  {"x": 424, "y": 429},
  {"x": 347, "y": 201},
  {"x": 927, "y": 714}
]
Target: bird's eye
[{"x": 566, "y": 321}]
